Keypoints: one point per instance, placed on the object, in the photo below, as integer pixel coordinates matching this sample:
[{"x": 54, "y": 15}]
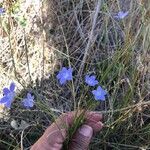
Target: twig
[
  {"x": 124, "y": 145},
  {"x": 51, "y": 109},
  {"x": 140, "y": 104},
  {"x": 26, "y": 51},
  {"x": 78, "y": 24},
  {"x": 22, "y": 139},
  {"x": 10, "y": 47},
  {"x": 43, "y": 47}
]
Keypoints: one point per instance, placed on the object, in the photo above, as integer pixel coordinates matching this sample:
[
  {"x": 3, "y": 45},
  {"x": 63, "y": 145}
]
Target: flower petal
[
  {"x": 99, "y": 89},
  {"x": 87, "y": 78},
  {"x": 100, "y": 97},
  {"x": 93, "y": 77},
  {"x": 58, "y": 76},
  {"x": 125, "y": 14},
  {"x": 94, "y": 92},
  {"x": 12, "y": 87},
  {"x": 28, "y": 102},
  {"x": 8, "y": 104},
  {"x": 104, "y": 92},
  {"x": 2, "y": 10},
  {"x": 25, "y": 102},
  {"x": 62, "y": 81},
  {"x": 64, "y": 69},
  {"x": 4, "y": 99},
  {"x": 70, "y": 70},
  {"x": 64, "y": 75},
  {"x": 32, "y": 97},
  {"x": 31, "y": 104},
  {"x": 121, "y": 15},
  {"x": 69, "y": 76},
  {"x": 99, "y": 94},
  {"x": 91, "y": 80},
  {"x": 95, "y": 82},
  {"x": 6, "y": 91},
  {"x": 29, "y": 96}
]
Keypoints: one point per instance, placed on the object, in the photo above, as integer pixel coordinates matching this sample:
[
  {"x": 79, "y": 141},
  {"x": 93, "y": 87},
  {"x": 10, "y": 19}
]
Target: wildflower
[
  {"x": 99, "y": 94},
  {"x": 9, "y": 95},
  {"x": 2, "y": 10},
  {"x": 90, "y": 80},
  {"x": 29, "y": 101},
  {"x": 64, "y": 75},
  {"x": 121, "y": 15}
]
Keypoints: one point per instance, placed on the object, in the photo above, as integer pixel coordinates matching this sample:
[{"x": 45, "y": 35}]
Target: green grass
[{"x": 116, "y": 51}]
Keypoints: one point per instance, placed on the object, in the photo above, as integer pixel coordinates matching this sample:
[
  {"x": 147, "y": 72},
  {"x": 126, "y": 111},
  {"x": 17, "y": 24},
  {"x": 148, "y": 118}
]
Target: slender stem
[
  {"x": 10, "y": 46},
  {"x": 140, "y": 104},
  {"x": 72, "y": 83},
  {"x": 88, "y": 44},
  {"x": 22, "y": 140},
  {"x": 26, "y": 50}
]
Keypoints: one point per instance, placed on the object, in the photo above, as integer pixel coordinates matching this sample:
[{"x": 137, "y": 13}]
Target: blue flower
[
  {"x": 90, "y": 80},
  {"x": 9, "y": 95},
  {"x": 29, "y": 101},
  {"x": 64, "y": 75},
  {"x": 99, "y": 94},
  {"x": 121, "y": 15},
  {"x": 2, "y": 10}
]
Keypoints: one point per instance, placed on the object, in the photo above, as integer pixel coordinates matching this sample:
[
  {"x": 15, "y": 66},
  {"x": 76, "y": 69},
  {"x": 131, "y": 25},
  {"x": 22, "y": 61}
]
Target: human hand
[{"x": 55, "y": 135}]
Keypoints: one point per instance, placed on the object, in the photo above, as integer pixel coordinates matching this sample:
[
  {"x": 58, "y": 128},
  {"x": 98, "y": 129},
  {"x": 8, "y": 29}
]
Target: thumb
[{"x": 82, "y": 138}]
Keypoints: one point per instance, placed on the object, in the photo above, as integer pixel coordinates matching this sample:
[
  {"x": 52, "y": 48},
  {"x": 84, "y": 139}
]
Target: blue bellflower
[
  {"x": 121, "y": 15},
  {"x": 91, "y": 80},
  {"x": 9, "y": 95},
  {"x": 64, "y": 75},
  {"x": 28, "y": 102},
  {"x": 99, "y": 93},
  {"x": 2, "y": 11}
]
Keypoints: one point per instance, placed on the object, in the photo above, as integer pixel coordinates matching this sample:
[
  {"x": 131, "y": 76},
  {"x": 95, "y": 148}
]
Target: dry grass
[
  {"x": 26, "y": 42},
  {"x": 42, "y": 37}
]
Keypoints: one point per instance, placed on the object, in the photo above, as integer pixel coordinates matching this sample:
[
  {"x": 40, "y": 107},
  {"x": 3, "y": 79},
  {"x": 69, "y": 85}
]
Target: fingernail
[{"x": 86, "y": 131}]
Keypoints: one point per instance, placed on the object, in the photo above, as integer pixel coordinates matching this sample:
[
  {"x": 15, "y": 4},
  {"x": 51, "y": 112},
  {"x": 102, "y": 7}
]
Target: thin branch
[
  {"x": 22, "y": 140},
  {"x": 43, "y": 47},
  {"x": 27, "y": 58},
  {"x": 140, "y": 104},
  {"x": 10, "y": 47}
]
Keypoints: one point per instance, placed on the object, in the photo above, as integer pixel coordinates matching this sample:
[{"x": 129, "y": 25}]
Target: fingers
[
  {"x": 82, "y": 138},
  {"x": 66, "y": 120},
  {"x": 92, "y": 124},
  {"x": 55, "y": 134},
  {"x": 55, "y": 139},
  {"x": 40, "y": 144},
  {"x": 92, "y": 116},
  {"x": 95, "y": 126},
  {"x": 94, "y": 120},
  {"x": 50, "y": 141}
]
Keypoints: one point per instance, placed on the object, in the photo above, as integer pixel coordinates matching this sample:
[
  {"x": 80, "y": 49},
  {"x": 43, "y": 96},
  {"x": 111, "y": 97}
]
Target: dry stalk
[{"x": 89, "y": 42}]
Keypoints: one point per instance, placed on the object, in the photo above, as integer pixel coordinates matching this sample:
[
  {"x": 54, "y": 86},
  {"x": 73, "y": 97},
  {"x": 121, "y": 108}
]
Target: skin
[{"x": 55, "y": 135}]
